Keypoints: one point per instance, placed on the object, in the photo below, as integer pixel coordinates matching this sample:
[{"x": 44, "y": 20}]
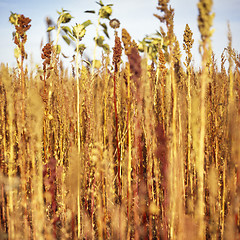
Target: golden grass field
[{"x": 146, "y": 148}]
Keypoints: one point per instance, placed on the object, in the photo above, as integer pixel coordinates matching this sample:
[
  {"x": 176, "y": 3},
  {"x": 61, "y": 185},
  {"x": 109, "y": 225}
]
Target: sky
[{"x": 135, "y": 15}]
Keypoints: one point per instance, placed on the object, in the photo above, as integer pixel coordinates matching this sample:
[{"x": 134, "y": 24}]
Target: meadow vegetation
[{"x": 141, "y": 148}]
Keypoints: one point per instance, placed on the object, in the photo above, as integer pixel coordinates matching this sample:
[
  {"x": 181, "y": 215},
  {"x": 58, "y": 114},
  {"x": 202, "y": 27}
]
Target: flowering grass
[{"x": 141, "y": 149}]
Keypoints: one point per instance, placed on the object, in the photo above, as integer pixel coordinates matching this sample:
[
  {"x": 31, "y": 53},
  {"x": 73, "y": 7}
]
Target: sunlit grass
[{"x": 142, "y": 149}]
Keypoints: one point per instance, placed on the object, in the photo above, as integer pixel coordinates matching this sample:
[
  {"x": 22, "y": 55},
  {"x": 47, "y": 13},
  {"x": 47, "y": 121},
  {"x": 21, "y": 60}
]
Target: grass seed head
[
  {"x": 117, "y": 51},
  {"x": 126, "y": 38},
  {"x": 23, "y": 25},
  {"x": 46, "y": 55},
  {"x": 135, "y": 64},
  {"x": 205, "y": 18},
  {"x": 187, "y": 43},
  {"x": 167, "y": 17}
]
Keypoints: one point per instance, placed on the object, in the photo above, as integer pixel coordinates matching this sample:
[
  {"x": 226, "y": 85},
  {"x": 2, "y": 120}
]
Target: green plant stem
[
  {"x": 58, "y": 30},
  {"x": 95, "y": 47}
]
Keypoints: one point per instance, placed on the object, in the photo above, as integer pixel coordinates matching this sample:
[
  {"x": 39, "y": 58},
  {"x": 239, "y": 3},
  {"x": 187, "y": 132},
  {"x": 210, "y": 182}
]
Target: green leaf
[
  {"x": 50, "y": 28},
  {"x": 158, "y": 34},
  {"x": 79, "y": 31},
  {"x": 87, "y": 62},
  {"x": 66, "y": 39},
  {"x": 105, "y": 29},
  {"x": 99, "y": 41},
  {"x": 17, "y": 52},
  {"x": 105, "y": 12},
  {"x": 65, "y": 17},
  {"x": 81, "y": 48},
  {"x": 106, "y": 32},
  {"x": 100, "y": 3},
  {"x": 72, "y": 37},
  {"x": 86, "y": 23},
  {"x": 90, "y": 11},
  {"x": 156, "y": 41},
  {"x": 66, "y": 29},
  {"x": 141, "y": 46},
  {"x": 147, "y": 41},
  {"x": 65, "y": 56},
  {"x": 13, "y": 18},
  {"x": 97, "y": 64},
  {"x": 106, "y": 47},
  {"x": 57, "y": 48},
  {"x": 63, "y": 11},
  {"x": 103, "y": 25}
]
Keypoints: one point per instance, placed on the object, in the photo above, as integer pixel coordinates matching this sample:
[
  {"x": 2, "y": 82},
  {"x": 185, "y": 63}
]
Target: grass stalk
[
  {"x": 78, "y": 137},
  {"x": 95, "y": 46},
  {"x": 129, "y": 166}
]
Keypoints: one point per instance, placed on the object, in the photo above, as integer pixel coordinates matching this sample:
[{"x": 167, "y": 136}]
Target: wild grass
[{"x": 141, "y": 149}]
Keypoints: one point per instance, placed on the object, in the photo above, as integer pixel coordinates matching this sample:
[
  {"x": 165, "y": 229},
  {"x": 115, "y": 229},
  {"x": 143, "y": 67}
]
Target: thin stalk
[
  {"x": 173, "y": 156},
  {"x": 56, "y": 44},
  {"x": 38, "y": 203},
  {"x": 23, "y": 89},
  {"x": 78, "y": 137},
  {"x": 58, "y": 30},
  {"x": 223, "y": 200},
  {"x": 10, "y": 175},
  {"x": 157, "y": 195},
  {"x": 23, "y": 137},
  {"x": 205, "y": 19},
  {"x": 117, "y": 141},
  {"x": 104, "y": 202},
  {"x": 201, "y": 157},
  {"x": 189, "y": 138},
  {"x": 230, "y": 72},
  {"x": 78, "y": 99},
  {"x": 129, "y": 152},
  {"x": 118, "y": 153}
]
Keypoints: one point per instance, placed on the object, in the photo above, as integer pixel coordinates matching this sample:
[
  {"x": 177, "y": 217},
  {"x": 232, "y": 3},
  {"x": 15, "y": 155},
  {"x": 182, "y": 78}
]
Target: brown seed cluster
[
  {"x": 135, "y": 65},
  {"x": 177, "y": 63},
  {"x": 163, "y": 7},
  {"x": 23, "y": 25},
  {"x": 162, "y": 62},
  {"x": 126, "y": 38},
  {"x": 114, "y": 23},
  {"x": 187, "y": 38},
  {"x": 46, "y": 55},
  {"x": 117, "y": 52},
  {"x": 187, "y": 43},
  {"x": 205, "y": 19},
  {"x": 167, "y": 17},
  {"x": 127, "y": 42},
  {"x": 131, "y": 50}
]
